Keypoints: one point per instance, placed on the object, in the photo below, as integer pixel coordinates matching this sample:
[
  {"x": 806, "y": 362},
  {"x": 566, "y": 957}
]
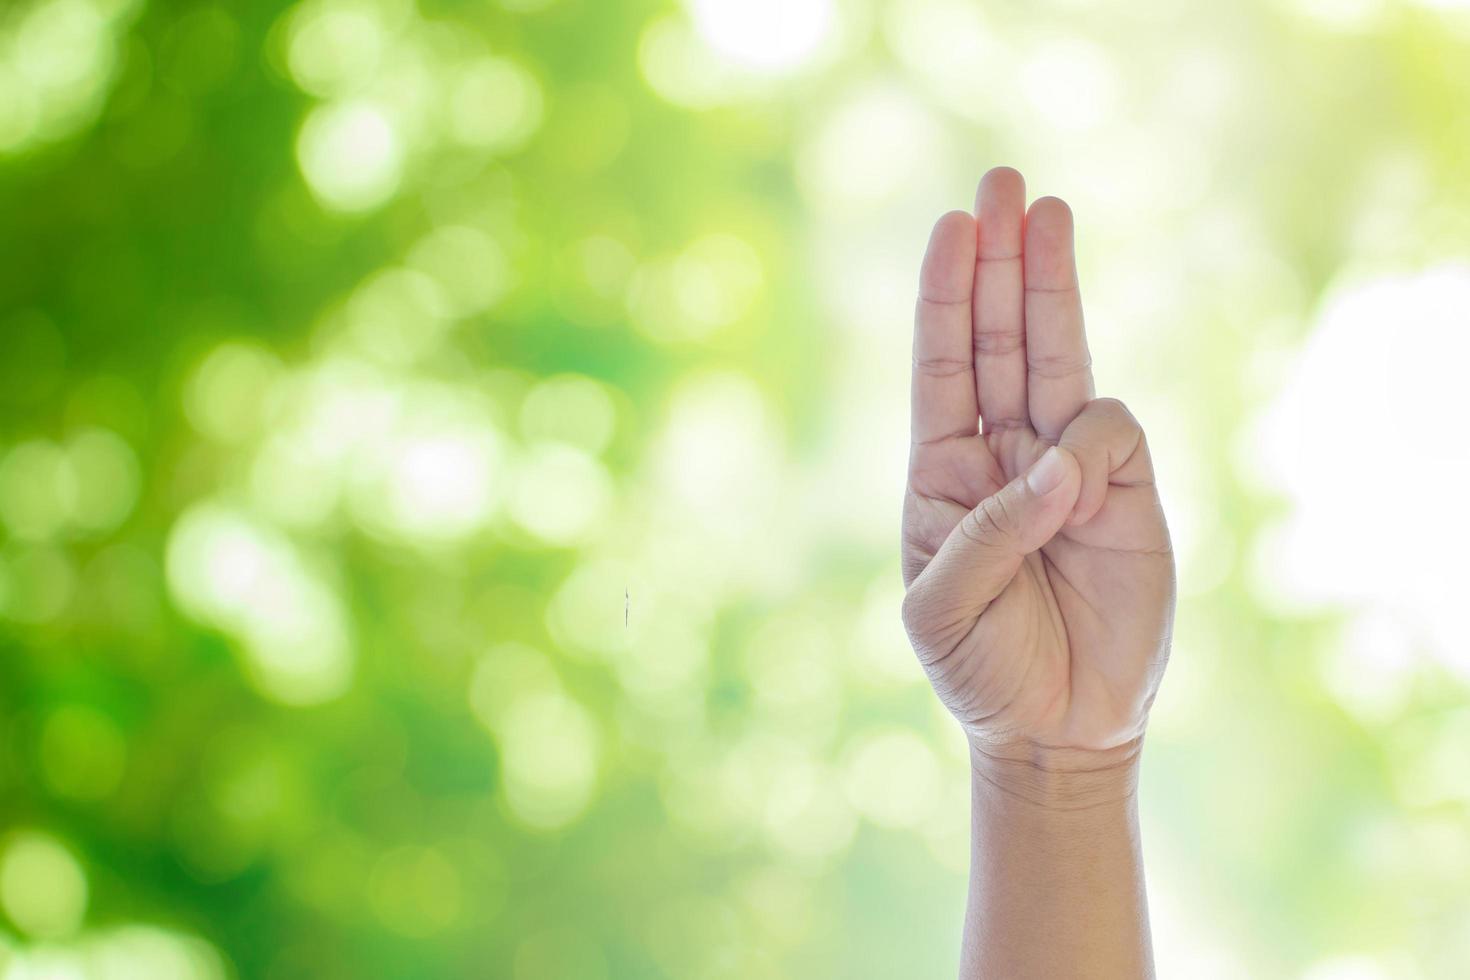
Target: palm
[{"x": 1070, "y": 648}]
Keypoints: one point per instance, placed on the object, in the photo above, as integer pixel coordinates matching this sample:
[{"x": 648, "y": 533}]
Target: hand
[{"x": 1038, "y": 565}]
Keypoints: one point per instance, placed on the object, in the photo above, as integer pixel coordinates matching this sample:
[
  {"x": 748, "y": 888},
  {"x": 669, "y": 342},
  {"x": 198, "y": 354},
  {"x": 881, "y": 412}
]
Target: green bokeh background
[{"x": 450, "y": 460}]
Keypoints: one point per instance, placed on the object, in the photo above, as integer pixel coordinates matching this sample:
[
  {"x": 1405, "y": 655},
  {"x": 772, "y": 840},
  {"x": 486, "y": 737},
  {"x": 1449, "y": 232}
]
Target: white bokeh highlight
[{"x": 1363, "y": 443}]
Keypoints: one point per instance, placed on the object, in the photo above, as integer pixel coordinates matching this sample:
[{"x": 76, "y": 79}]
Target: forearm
[{"x": 1056, "y": 876}]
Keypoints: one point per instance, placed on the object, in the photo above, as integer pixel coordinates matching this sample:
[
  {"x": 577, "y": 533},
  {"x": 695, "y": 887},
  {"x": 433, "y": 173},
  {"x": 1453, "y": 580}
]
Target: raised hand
[{"x": 1038, "y": 565}]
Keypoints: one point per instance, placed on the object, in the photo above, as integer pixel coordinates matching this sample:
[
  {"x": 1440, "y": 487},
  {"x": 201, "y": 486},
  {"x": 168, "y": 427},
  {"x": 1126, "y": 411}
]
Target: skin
[{"x": 1040, "y": 588}]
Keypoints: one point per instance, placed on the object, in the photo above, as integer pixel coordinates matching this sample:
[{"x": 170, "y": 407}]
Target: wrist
[{"x": 1055, "y": 779}]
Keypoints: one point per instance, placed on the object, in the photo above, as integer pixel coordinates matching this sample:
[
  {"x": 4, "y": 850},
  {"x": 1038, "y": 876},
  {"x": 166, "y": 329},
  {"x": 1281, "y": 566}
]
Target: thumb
[{"x": 981, "y": 555}]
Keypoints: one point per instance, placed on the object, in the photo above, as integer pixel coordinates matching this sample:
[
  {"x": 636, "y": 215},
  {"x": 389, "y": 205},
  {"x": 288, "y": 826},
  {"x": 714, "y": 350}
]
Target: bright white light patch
[
  {"x": 882, "y": 655},
  {"x": 469, "y": 266},
  {"x": 350, "y": 156},
  {"x": 433, "y": 479},
  {"x": 948, "y": 44},
  {"x": 560, "y": 493},
  {"x": 416, "y": 462},
  {"x": 438, "y": 485},
  {"x": 495, "y": 105},
  {"x": 569, "y": 408},
  {"x": 776, "y": 783},
  {"x": 1362, "y": 443},
  {"x": 334, "y": 46},
  {"x": 799, "y": 807},
  {"x": 717, "y": 278},
  {"x": 1346, "y": 14},
  {"x": 58, "y": 59},
  {"x": 892, "y": 779},
  {"x": 878, "y": 142},
  {"x": 1349, "y": 968},
  {"x": 397, "y": 316},
  {"x": 717, "y": 457},
  {"x": 244, "y": 578},
  {"x": 1447, "y": 6},
  {"x": 140, "y": 952},
  {"x": 705, "y": 288},
  {"x": 677, "y": 65},
  {"x": 1071, "y": 84},
  {"x": 1371, "y": 672},
  {"x": 548, "y": 749},
  {"x": 586, "y": 613},
  {"x": 764, "y": 35}
]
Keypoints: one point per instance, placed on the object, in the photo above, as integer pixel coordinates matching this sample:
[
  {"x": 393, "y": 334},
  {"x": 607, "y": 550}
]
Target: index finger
[{"x": 943, "y": 398}]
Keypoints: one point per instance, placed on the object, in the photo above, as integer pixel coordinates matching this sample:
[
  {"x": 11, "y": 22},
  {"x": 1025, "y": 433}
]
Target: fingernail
[{"x": 1047, "y": 473}]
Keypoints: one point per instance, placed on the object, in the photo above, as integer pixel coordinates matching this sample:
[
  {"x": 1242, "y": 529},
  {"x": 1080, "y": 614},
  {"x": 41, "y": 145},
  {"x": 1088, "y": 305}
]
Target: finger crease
[
  {"x": 946, "y": 437},
  {"x": 941, "y": 367},
  {"x": 936, "y": 498},
  {"x": 1057, "y": 367},
  {"x": 992, "y": 342}
]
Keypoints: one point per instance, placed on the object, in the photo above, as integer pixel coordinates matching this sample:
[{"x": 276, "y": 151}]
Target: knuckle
[
  {"x": 1111, "y": 408},
  {"x": 914, "y": 613},
  {"x": 906, "y": 610},
  {"x": 1102, "y": 423},
  {"x": 1056, "y": 367},
  {"x": 1114, "y": 408},
  {"x": 1002, "y": 514},
  {"x": 974, "y": 527},
  {"x": 1001, "y": 341},
  {"x": 991, "y": 522},
  {"x": 941, "y": 367}
]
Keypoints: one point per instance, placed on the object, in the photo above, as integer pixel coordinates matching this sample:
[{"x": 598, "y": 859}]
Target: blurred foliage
[{"x": 449, "y": 465}]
